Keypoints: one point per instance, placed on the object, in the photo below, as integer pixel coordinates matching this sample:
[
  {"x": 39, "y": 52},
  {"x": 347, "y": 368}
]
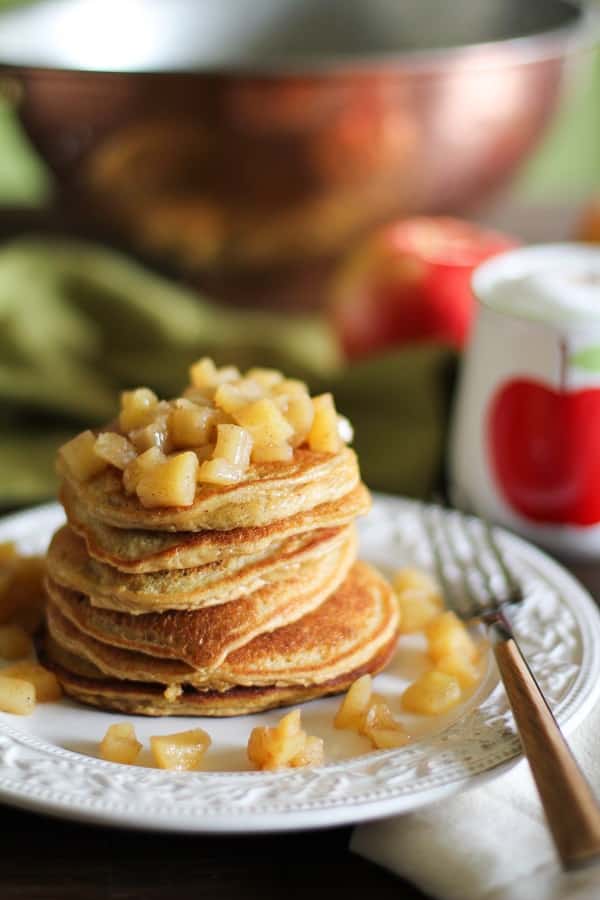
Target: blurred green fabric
[{"x": 78, "y": 323}]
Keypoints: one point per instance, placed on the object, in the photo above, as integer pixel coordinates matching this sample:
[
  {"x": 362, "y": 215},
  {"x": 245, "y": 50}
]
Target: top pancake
[
  {"x": 139, "y": 551},
  {"x": 270, "y": 492}
]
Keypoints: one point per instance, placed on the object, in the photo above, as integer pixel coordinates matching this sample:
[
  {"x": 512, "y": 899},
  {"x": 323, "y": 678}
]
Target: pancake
[
  {"x": 270, "y": 492},
  {"x": 212, "y": 584},
  {"x": 203, "y": 638},
  {"x": 83, "y": 682},
  {"x": 343, "y": 633},
  {"x": 150, "y": 551}
]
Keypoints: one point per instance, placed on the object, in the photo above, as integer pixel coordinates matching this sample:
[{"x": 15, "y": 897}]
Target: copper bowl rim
[{"x": 582, "y": 30}]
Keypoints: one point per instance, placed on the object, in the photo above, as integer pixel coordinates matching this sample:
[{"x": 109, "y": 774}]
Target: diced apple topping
[
  {"x": 182, "y": 752},
  {"x": 269, "y": 453},
  {"x": 140, "y": 466},
  {"x": 170, "y": 483},
  {"x": 229, "y": 421},
  {"x": 447, "y": 636},
  {"x": 324, "y": 436},
  {"x": 218, "y": 471},
  {"x": 192, "y": 426},
  {"x": 234, "y": 444},
  {"x": 367, "y": 714},
  {"x": 155, "y": 434},
  {"x": 355, "y": 704},
  {"x": 81, "y": 458},
  {"x": 16, "y": 696},
  {"x": 431, "y": 694},
  {"x": 115, "y": 449},
  {"x": 285, "y": 745},
  {"x": 120, "y": 744},
  {"x": 267, "y": 378},
  {"x": 419, "y": 599},
  {"x": 466, "y": 671},
  {"x": 47, "y": 687},
  {"x": 264, "y": 421},
  {"x": 137, "y": 408}
]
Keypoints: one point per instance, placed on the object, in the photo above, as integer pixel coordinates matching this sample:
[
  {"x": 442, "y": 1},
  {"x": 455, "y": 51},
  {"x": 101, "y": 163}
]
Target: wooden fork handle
[{"x": 572, "y": 812}]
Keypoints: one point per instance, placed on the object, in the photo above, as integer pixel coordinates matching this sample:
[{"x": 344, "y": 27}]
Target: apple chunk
[{"x": 171, "y": 483}]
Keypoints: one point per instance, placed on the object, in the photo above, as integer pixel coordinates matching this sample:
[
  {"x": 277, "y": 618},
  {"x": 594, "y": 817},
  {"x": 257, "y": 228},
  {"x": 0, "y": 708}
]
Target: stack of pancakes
[{"x": 250, "y": 598}]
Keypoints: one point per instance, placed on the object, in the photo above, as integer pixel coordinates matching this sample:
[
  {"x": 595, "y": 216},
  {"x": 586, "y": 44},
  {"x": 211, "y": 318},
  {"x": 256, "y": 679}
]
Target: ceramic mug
[{"x": 525, "y": 437}]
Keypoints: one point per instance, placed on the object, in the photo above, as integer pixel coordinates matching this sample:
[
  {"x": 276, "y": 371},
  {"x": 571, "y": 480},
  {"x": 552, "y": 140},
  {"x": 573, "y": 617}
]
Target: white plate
[{"x": 47, "y": 760}]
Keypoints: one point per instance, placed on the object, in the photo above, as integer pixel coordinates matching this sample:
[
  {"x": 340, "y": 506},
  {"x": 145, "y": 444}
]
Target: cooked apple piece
[
  {"x": 170, "y": 483},
  {"x": 312, "y": 754},
  {"x": 432, "y": 693},
  {"x": 411, "y": 578},
  {"x": 417, "y": 609},
  {"x": 324, "y": 436},
  {"x": 138, "y": 408},
  {"x": 419, "y": 599},
  {"x": 155, "y": 434},
  {"x": 14, "y": 642},
  {"x": 80, "y": 457},
  {"x": 46, "y": 684},
  {"x": 192, "y": 427},
  {"x": 226, "y": 374},
  {"x": 355, "y": 704},
  {"x": 300, "y": 414},
  {"x": 218, "y": 471},
  {"x": 377, "y": 715},
  {"x": 466, "y": 671},
  {"x": 275, "y": 748},
  {"x": 289, "y": 387},
  {"x": 266, "y": 378},
  {"x": 16, "y": 696},
  {"x": 380, "y": 726},
  {"x": 120, "y": 744},
  {"x": 234, "y": 444},
  {"x": 140, "y": 466},
  {"x": 265, "y": 422},
  {"x": 115, "y": 449},
  {"x": 183, "y": 751},
  {"x": 267, "y": 453},
  {"x": 388, "y": 738},
  {"x": 447, "y": 636},
  {"x": 203, "y": 373},
  {"x": 204, "y": 453},
  {"x": 231, "y": 398}
]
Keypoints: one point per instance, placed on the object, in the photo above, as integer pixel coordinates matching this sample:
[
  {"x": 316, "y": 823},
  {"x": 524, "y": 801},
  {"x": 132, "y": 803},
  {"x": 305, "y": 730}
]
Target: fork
[{"x": 476, "y": 591}]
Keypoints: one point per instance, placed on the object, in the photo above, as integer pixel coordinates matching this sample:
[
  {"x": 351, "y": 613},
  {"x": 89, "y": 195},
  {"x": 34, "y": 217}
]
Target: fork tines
[{"x": 469, "y": 563}]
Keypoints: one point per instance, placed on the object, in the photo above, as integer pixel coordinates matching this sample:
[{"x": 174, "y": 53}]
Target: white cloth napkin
[{"x": 488, "y": 843}]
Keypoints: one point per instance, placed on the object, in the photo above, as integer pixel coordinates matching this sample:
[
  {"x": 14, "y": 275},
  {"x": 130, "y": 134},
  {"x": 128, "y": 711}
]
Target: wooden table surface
[{"x": 48, "y": 859}]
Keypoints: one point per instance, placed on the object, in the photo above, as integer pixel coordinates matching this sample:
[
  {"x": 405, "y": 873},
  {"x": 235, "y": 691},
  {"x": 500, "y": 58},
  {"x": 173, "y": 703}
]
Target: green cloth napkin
[{"x": 79, "y": 323}]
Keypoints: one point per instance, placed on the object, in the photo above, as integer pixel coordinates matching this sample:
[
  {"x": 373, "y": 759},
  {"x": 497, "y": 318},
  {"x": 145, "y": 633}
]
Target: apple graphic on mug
[{"x": 544, "y": 448}]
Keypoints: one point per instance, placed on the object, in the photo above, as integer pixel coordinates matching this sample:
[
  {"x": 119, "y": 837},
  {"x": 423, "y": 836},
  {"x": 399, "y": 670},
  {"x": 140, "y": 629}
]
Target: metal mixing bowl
[{"x": 248, "y": 143}]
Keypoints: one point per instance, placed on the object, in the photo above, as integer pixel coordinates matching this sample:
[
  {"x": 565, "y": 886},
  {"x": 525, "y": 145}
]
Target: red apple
[
  {"x": 544, "y": 447},
  {"x": 411, "y": 281}
]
